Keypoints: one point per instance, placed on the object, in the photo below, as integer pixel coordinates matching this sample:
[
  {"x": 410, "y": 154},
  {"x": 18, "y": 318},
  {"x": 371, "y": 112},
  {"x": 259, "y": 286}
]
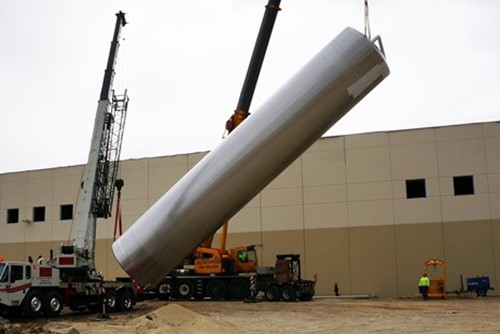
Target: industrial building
[{"x": 364, "y": 211}]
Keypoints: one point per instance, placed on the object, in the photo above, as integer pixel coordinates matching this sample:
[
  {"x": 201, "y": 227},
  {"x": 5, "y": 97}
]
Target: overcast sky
[{"x": 184, "y": 62}]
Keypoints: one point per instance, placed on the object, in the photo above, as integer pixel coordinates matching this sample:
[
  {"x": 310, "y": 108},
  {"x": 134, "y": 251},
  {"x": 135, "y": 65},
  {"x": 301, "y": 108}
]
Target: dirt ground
[{"x": 321, "y": 315}]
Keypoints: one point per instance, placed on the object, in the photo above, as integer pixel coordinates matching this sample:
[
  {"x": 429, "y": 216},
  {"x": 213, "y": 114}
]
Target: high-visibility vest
[{"x": 424, "y": 281}]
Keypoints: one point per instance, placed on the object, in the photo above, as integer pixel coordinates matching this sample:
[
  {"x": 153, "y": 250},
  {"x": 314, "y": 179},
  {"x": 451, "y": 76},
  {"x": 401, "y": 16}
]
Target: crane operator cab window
[{"x": 243, "y": 256}]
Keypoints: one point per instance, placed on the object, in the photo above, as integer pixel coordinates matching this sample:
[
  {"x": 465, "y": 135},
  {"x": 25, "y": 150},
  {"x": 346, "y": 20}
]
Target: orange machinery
[
  {"x": 437, "y": 277},
  {"x": 207, "y": 258}
]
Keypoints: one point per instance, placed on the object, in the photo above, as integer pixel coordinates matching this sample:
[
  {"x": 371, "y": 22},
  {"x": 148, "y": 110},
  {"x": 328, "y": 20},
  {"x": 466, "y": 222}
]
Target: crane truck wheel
[
  {"x": 238, "y": 289},
  {"x": 216, "y": 289},
  {"x": 125, "y": 301},
  {"x": 32, "y": 305},
  {"x": 272, "y": 293},
  {"x": 184, "y": 289},
  {"x": 164, "y": 291},
  {"x": 111, "y": 301},
  {"x": 52, "y": 304},
  {"x": 288, "y": 293}
]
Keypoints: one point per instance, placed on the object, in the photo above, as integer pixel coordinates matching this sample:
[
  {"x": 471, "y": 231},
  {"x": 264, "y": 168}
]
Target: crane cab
[{"x": 17, "y": 279}]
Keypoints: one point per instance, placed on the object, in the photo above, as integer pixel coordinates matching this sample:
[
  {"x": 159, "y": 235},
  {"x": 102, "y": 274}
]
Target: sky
[{"x": 183, "y": 64}]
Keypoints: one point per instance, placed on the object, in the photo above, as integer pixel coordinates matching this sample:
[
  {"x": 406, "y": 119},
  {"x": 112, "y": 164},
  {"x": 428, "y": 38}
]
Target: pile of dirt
[
  {"x": 6, "y": 327},
  {"x": 171, "y": 318}
]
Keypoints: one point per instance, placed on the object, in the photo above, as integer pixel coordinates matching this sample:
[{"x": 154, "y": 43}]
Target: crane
[
  {"x": 71, "y": 277},
  {"x": 240, "y": 114},
  {"x": 206, "y": 261},
  {"x": 99, "y": 175}
]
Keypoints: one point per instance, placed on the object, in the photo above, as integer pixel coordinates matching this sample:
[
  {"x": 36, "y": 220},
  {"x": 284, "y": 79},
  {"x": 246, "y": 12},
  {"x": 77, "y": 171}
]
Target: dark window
[
  {"x": 12, "y": 216},
  {"x": 28, "y": 272},
  {"x": 463, "y": 185},
  {"x": 415, "y": 188},
  {"x": 16, "y": 273},
  {"x": 66, "y": 212},
  {"x": 39, "y": 214}
]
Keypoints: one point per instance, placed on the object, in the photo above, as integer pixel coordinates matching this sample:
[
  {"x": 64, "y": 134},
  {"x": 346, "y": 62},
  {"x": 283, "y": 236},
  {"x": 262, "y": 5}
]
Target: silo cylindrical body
[{"x": 257, "y": 151}]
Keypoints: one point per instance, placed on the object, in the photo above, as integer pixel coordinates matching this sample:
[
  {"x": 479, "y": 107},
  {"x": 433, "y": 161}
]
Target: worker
[
  {"x": 423, "y": 285},
  {"x": 243, "y": 256},
  {"x": 39, "y": 260}
]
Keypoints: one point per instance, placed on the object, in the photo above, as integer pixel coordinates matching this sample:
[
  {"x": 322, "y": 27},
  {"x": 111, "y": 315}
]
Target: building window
[
  {"x": 415, "y": 188},
  {"x": 463, "y": 185},
  {"x": 12, "y": 216},
  {"x": 66, "y": 212},
  {"x": 39, "y": 214}
]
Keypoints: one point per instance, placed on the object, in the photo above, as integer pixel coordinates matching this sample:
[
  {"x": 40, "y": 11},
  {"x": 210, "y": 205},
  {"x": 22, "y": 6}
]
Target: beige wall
[
  {"x": 381, "y": 260},
  {"x": 342, "y": 205}
]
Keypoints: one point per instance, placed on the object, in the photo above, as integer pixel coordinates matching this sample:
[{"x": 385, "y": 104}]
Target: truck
[
  {"x": 219, "y": 273},
  {"x": 71, "y": 278},
  {"x": 282, "y": 282},
  {"x": 207, "y": 261},
  {"x": 285, "y": 281}
]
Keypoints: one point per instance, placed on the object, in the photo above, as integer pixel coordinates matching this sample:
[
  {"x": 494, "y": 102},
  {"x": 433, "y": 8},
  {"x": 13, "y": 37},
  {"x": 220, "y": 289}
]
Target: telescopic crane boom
[
  {"x": 253, "y": 72},
  {"x": 242, "y": 110},
  {"x": 99, "y": 176}
]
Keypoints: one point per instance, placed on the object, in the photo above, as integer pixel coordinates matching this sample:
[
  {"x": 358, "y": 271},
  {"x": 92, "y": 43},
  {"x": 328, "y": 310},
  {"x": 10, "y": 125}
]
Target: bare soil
[{"x": 321, "y": 315}]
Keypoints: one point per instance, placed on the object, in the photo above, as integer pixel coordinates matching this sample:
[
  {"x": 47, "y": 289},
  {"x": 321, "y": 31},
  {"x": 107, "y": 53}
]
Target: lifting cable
[
  {"x": 367, "y": 22},
  {"x": 368, "y": 33}
]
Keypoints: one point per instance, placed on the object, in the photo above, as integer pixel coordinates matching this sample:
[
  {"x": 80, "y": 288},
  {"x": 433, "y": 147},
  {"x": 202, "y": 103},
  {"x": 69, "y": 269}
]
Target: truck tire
[
  {"x": 238, "y": 289},
  {"x": 272, "y": 293},
  {"x": 111, "y": 301},
  {"x": 184, "y": 289},
  {"x": 32, "y": 305},
  {"x": 125, "y": 301},
  {"x": 216, "y": 289},
  {"x": 52, "y": 304},
  {"x": 164, "y": 291},
  {"x": 288, "y": 293}
]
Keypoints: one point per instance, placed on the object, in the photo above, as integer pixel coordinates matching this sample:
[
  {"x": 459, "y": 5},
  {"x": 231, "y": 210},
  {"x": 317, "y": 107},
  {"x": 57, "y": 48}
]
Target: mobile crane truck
[
  {"x": 219, "y": 273},
  {"x": 71, "y": 277}
]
